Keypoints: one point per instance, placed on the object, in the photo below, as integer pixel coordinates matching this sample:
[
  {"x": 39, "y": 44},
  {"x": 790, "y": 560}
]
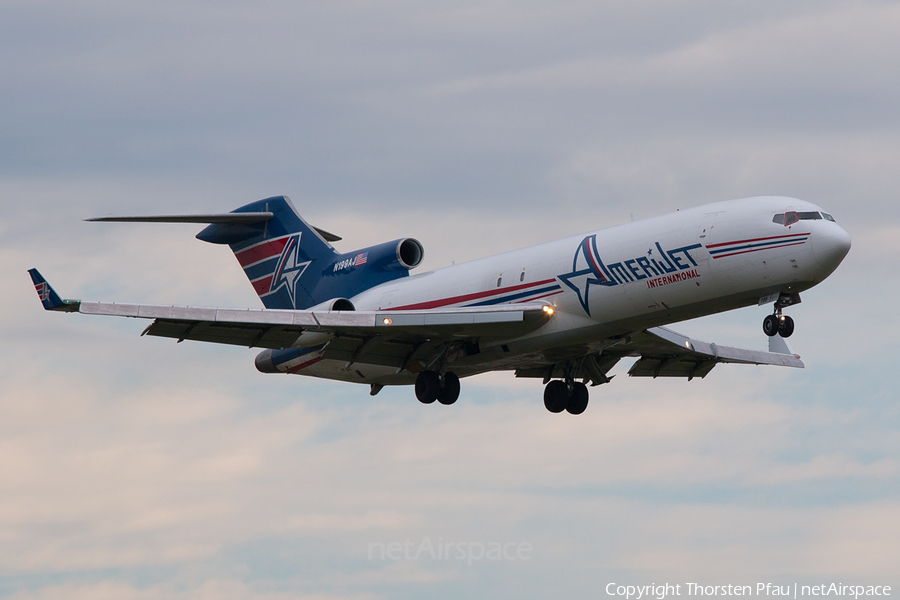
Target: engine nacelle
[
  {"x": 281, "y": 361},
  {"x": 410, "y": 253},
  {"x": 398, "y": 255},
  {"x": 333, "y": 305}
]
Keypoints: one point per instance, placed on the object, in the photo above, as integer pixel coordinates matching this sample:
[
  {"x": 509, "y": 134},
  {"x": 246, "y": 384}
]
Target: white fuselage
[{"x": 624, "y": 279}]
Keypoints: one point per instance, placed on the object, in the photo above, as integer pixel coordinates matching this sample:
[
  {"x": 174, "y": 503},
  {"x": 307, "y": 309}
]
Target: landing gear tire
[
  {"x": 785, "y": 326},
  {"x": 449, "y": 390},
  {"x": 556, "y": 396},
  {"x": 578, "y": 399},
  {"x": 771, "y": 325},
  {"x": 428, "y": 386}
]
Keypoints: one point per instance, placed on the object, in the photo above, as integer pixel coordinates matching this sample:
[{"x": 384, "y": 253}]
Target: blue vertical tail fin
[
  {"x": 289, "y": 262},
  {"x": 282, "y": 257}
]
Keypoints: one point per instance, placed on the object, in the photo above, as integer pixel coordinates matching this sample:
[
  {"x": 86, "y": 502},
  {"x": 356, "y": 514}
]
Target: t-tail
[{"x": 290, "y": 263}]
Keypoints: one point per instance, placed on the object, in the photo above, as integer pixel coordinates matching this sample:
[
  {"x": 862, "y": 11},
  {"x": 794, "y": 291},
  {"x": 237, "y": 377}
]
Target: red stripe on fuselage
[
  {"x": 467, "y": 297},
  {"x": 261, "y": 251},
  {"x": 773, "y": 237}
]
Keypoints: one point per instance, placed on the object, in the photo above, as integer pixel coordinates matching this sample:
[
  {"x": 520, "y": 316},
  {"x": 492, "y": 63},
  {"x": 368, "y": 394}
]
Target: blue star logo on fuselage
[
  {"x": 585, "y": 272},
  {"x": 290, "y": 269}
]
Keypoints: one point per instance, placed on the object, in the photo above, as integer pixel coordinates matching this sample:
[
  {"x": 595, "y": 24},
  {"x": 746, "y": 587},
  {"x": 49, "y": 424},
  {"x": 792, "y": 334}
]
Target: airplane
[{"x": 564, "y": 312}]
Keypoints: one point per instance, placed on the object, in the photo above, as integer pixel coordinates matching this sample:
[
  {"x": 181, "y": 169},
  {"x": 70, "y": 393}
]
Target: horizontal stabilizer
[
  {"x": 244, "y": 218},
  {"x": 328, "y": 237},
  {"x": 228, "y": 218}
]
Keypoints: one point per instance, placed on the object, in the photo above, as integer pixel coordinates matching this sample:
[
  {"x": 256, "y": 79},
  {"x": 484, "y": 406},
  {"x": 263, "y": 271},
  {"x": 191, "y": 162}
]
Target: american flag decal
[{"x": 362, "y": 258}]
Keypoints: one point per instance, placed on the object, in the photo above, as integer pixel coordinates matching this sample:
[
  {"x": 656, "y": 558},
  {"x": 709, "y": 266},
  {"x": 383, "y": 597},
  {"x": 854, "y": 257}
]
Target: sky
[{"x": 138, "y": 468}]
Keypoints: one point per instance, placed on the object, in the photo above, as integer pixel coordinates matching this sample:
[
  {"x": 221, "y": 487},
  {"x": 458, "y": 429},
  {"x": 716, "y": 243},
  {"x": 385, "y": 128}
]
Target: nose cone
[{"x": 830, "y": 245}]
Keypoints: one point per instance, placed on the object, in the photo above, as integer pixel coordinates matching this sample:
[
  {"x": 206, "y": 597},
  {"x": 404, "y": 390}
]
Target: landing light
[
  {"x": 388, "y": 321},
  {"x": 548, "y": 310}
]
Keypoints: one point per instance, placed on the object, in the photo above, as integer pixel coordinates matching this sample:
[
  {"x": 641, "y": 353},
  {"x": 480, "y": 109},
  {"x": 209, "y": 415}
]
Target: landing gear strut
[
  {"x": 559, "y": 397},
  {"x": 430, "y": 386}
]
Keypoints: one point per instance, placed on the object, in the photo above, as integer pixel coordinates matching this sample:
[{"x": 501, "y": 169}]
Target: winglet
[{"x": 49, "y": 298}]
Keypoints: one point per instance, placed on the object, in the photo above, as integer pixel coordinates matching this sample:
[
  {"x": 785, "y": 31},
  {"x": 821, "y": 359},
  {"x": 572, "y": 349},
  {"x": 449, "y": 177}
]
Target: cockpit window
[
  {"x": 828, "y": 217},
  {"x": 790, "y": 218}
]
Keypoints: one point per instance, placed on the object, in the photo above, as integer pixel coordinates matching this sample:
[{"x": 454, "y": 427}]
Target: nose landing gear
[{"x": 778, "y": 323}]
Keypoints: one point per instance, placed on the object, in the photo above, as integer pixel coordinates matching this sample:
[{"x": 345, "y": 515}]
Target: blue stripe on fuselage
[{"x": 503, "y": 299}]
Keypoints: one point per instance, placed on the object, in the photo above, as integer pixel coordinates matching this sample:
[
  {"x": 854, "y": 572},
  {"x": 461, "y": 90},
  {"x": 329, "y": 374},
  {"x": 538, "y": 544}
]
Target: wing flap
[
  {"x": 673, "y": 366},
  {"x": 383, "y": 352},
  {"x": 257, "y": 336}
]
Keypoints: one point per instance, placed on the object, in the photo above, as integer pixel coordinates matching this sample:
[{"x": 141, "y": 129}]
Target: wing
[
  {"x": 665, "y": 353},
  {"x": 275, "y": 329},
  {"x": 661, "y": 352},
  {"x": 401, "y": 339}
]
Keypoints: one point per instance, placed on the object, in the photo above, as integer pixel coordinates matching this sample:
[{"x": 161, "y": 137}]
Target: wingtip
[{"x": 48, "y": 296}]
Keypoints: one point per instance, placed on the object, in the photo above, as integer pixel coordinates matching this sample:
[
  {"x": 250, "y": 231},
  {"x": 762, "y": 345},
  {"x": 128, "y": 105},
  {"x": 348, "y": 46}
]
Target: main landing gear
[
  {"x": 778, "y": 324},
  {"x": 558, "y": 396},
  {"x": 431, "y": 386}
]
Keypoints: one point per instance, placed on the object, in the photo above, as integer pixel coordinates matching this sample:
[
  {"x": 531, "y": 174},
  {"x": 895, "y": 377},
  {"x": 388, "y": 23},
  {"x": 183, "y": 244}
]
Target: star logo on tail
[
  {"x": 43, "y": 291},
  {"x": 290, "y": 268}
]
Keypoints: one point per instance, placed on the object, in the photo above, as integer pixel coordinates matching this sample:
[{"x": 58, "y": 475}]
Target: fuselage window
[
  {"x": 828, "y": 217},
  {"x": 499, "y": 280},
  {"x": 809, "y": 216},
  {"x": 522, "y": 276},
  {"x": 790, "y": 218}
]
